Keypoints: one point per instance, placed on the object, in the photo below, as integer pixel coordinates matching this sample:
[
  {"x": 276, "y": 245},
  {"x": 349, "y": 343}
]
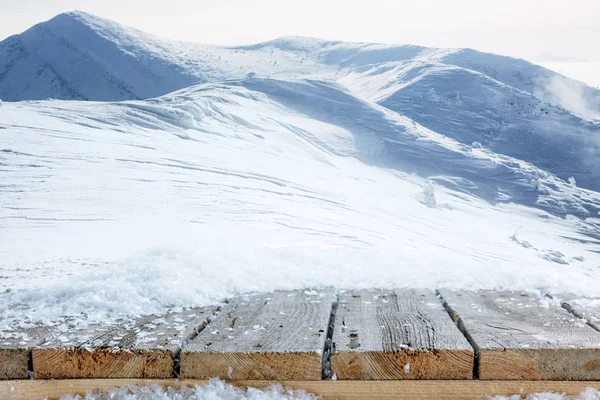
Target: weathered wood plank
[
  {"x": 585, "y": 308},
  {"x": 397, "y": 334},
  {"x": 15, "y": 350},
  {"x": 519, "y": 336},
  {"x": 279, "y": 335},
  {"x": 343, "y": 390},
  {"x": 144, "y": 349}
]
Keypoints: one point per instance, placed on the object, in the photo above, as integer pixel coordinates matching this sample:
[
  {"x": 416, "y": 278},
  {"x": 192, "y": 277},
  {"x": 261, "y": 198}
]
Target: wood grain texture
[
  {"x": 520, "y": 336},
  {"x": 279, "y": 335},
  {"x": 397, "y": 334},
  {"x": 343, "y": 390},
  {"x": 15, "y": 350},
  {"x": 144, "y": 349}
]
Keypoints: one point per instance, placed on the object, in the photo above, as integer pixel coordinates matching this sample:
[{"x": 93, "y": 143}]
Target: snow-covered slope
[
  {"x": 471, "y": 107},
  {"x": 79, "y": 56},
  {"x": 111, "y": 209},
  {"x": 508, "y": 105}
]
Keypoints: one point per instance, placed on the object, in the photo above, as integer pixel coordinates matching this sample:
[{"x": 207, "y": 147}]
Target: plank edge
[{"x": 427, "y": 389}]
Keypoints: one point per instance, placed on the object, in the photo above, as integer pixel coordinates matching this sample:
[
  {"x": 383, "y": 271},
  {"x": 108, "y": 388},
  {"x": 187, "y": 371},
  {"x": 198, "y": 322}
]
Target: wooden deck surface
[
  {"x": 397, "y": 334},
  {"x": 271, "y": 336},
  {"x": 517, "y": 337},
  {"x": 147, "y": 349},
  {"x": 316, "y": 335}
]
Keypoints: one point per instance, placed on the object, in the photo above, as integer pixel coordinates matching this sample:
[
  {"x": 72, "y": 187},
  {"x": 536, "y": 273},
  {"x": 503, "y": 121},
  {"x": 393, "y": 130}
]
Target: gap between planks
[
  {"x": 344, "y": 390},
  {"x": 517, "y": 337}
]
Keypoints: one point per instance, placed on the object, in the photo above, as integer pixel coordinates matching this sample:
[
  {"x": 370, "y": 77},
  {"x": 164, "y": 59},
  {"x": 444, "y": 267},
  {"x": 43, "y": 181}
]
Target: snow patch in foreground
[
  {"x": 588, "y": 394},
  {"x": 219, "y": 390},
  {"x": 214, "y": 390}
]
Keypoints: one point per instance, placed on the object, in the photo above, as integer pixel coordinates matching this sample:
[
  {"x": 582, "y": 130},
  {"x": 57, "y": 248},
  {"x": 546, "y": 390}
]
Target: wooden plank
[
  {"x": 519, "y": 336},
  {"x": 397, "y": 334},
  {"x": 279, "y": 335},
  {"x": 584, "y": 308},
  {"x": 145, "y": 349},
  {"x": 15, "y": 350},
  {"x": 344, "y": 390}
]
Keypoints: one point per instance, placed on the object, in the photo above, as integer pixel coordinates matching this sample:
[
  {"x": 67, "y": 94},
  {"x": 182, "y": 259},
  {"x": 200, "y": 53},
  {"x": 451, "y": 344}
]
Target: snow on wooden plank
[
  {"x": 146, "y": 348},
  {"x": 15, "y": 350},
  {"x": 397, "y": 334},
  {"x": 521, "y": 336},
  {"x": 279, "y": 335}
]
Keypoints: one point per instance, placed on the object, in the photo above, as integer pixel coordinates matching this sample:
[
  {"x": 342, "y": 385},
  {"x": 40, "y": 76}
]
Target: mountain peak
[
  {"x": 69, "y": 19},
  {"x": 79, "y": 16}
]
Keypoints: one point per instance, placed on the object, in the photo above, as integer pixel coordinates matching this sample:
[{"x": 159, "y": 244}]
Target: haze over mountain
[{"x": 291, "y": 163}]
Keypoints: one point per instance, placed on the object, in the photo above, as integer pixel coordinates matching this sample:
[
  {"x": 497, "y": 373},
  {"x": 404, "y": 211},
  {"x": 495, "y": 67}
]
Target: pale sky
[{"x": 522, "y": 28}]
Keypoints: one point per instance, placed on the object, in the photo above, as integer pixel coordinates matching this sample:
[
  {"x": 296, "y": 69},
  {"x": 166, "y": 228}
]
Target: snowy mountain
[
  {"x": 507, "y": 105},
  {"x": 197, "y": 172},
  {"x": 67, "y": 56}
]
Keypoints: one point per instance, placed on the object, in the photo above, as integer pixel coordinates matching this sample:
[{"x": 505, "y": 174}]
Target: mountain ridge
[
  {"x": 510, "y": 106},
  {"x": 188, "y": 56}
]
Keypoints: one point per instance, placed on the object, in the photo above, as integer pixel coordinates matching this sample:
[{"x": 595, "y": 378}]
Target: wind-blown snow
[{"x": 113, "y": 209}]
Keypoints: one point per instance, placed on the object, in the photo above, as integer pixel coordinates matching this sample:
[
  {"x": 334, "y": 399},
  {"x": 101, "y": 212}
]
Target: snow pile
[{"x": 214, "y": 390}]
